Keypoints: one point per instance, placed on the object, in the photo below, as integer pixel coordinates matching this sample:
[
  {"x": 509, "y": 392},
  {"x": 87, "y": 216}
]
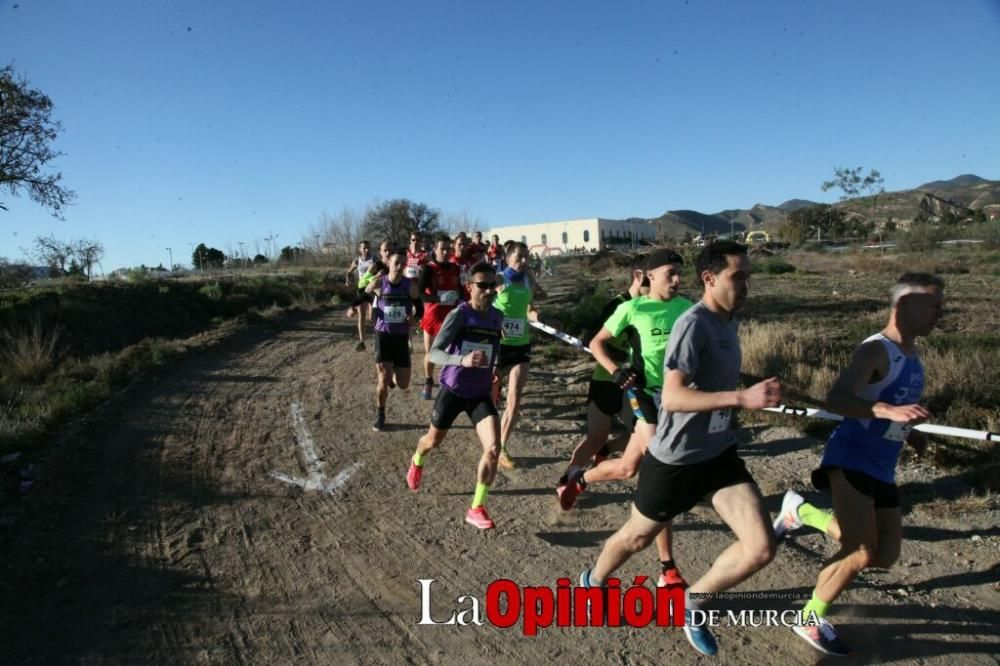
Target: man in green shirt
[
  {"x": 604, "y": 397},
  {"x": 647, "y": 321}
]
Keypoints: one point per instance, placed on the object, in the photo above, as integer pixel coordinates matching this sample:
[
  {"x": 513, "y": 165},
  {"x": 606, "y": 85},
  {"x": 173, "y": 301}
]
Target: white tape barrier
[
  {"x": 930, "y": 428},
  {"x": 948, "y": 431},
  {"x": 576, "y": 342}
]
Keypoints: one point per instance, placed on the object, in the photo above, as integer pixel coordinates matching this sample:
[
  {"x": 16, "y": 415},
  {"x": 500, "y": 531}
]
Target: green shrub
[{"x": 212, "y": 291}]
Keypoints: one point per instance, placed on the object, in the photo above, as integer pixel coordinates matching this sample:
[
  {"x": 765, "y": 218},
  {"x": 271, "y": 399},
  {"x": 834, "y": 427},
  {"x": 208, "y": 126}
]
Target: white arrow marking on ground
[{"x": 314, "y": 465}]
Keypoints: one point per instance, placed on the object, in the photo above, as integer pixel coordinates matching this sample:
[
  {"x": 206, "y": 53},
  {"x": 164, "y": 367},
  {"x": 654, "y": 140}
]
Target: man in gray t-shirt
[
  {"x": 693, "y": 455},
  {"x": 706, "y": 348}
]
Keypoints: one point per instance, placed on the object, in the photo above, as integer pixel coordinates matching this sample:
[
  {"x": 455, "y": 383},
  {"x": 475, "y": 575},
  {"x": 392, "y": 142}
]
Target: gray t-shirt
[{"x": 706, "y": 348}]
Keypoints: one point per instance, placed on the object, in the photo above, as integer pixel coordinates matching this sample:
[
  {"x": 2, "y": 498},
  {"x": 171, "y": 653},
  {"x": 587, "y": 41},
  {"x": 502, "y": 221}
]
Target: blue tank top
[
  {"x": 872, "y": 446},
  {"x": 480, "y": 330},
  {"x": 392, "y": 307}
]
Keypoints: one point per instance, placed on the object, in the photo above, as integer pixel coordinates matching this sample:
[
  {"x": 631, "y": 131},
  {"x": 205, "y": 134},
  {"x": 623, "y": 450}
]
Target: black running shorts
[
  {"x": 448, "y": 406},
  {"x": 606, "y": 395},
  {"x": 885, "y": 495},
  {"x": 393, "y": 349},
  {"x": 643, "y": 405},
  {"x": 665, "y": 491},
  {"x": 511, "y": 355}
]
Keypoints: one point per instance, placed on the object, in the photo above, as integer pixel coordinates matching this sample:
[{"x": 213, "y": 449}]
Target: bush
[
  {"x": 29, "y": 354},
  {"x": 922, "y": 237},
  {"x": 773, "y": 266}
]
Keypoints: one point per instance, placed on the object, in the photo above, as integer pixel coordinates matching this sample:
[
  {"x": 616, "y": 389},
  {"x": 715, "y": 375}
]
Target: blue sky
[{"x": 227, "y": 122}]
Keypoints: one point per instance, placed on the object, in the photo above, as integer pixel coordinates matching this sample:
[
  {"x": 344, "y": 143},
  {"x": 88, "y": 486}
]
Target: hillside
[{"x": 959, "y": 196}]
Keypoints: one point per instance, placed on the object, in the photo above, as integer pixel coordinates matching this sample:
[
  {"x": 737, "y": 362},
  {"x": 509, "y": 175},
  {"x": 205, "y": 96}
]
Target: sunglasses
[{"x": 486, "y": 285}]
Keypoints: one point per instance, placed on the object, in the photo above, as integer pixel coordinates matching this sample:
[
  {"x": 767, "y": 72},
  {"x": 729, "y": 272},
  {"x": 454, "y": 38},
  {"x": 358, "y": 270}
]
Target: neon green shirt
[{"x": 648, "y": 323}]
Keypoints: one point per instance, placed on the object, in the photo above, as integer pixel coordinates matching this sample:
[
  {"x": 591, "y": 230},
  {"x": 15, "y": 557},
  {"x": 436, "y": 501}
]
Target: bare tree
[
  {"x": 463, "y": 220},
  {"x": 87, "y": 253},
  {"x": 340, "y": 232},
  {"x": 395, "y": 220},
  {"x": 52, "y": 252},
  {"x": 26, "y": 134}
]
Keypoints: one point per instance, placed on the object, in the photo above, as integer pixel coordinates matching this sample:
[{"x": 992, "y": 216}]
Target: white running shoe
[{"x": 788, "y": 518}]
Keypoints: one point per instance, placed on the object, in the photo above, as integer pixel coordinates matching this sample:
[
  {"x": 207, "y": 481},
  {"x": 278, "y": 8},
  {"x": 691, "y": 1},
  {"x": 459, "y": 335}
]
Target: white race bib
[
  {"x": 469, "y": 347},
  {"x": 719, "y": 421},
  {"x": 394, "y": 314},
  {"x": 897, "y": 432},
  {"x": 411, "y": 271},
  {"x": 513, "y": 328},
  {"x": 448, "y": 297}
]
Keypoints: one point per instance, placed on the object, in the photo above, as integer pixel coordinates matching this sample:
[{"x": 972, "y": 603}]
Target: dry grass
[
  {"x": 28, "y": 355},
  {"x": 793, "y": 354}
]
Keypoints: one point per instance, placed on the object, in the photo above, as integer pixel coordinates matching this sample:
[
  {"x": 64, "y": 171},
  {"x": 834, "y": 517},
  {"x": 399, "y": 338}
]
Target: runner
[
  {"x": 463, "y": 258},
  {"x": 477, "y": 248},
  {"x": 467, "y": 345},
  {"x": 496, "y": 254},
  {"x": 392, "y": 314},
  {"x": 647, "y": 322},
  {"x": 879, "y": 394},
  {"x": 517, "y": 292},
  {"x": 604, "y": 396},
  {"x": 416, "y": 257},
  {"x": 693, "y": 456},
  {"x": 440, "y": 290},
  {"x": 358, "y": 268}
]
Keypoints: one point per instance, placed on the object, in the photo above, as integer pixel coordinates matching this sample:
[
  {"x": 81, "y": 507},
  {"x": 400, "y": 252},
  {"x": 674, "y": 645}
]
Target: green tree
[
  {"x": 26, "y": 134},
  {"x": 397, "y": 219},
  {"x": 852, "y": 184},
  {"x": 292, "y": 255},
  {"x": 205, "y": 257}
]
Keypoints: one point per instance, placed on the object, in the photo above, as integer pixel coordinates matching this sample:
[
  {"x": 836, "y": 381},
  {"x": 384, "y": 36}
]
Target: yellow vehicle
[{"x": 757, "y": 238}]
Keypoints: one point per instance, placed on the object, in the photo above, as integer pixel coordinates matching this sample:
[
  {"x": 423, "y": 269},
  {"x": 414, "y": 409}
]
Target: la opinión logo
[{"x": 506, "y": 603}]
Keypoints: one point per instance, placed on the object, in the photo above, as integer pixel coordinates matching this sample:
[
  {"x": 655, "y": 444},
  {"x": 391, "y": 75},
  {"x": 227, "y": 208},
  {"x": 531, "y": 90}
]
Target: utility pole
[
  {"x": 270, "y": 243},
  {"x": 170, "y": 267},
  {"x": 243, "y": 257}
]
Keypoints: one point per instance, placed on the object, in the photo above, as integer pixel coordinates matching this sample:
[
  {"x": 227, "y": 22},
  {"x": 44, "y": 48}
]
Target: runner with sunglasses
[{"x": 467, "y": 346}]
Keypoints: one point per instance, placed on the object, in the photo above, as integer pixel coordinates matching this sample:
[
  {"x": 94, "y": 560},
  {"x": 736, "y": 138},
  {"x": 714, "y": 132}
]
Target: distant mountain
[
  {"x": 795, "y": 204},
  {"x": 960, "y": 196},
  {"x": 966, "y": 180}
]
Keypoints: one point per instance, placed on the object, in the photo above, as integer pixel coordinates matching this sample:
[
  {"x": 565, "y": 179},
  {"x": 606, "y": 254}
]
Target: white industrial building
[{"x": 588, "y": 234}]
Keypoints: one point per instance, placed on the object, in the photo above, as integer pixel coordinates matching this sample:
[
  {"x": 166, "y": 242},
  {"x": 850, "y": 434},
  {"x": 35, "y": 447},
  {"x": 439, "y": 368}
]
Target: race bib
[
  {"x": 469, "y": 347},
  {"x": 897, "y": 432},
  {"x": 719, "y": 421},
  {"x": 394, "y": 314},
  {"x": 513, "y": 328},
  {"x": 411, "y": 271},
  {"x": 448, "y": 297}
]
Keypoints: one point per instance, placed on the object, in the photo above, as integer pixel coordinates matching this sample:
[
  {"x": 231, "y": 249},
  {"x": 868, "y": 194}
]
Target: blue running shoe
[{"x": 700, "y": 638}]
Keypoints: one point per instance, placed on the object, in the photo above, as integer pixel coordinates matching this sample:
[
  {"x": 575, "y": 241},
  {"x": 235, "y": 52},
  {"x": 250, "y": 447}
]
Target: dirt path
[{"x": 161, "y": 535}]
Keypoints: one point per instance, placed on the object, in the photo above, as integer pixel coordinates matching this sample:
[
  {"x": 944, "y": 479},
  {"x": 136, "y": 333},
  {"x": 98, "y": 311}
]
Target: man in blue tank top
[
  {"x": 879, "y": 396},
  {"x": 467, "y": 347}
]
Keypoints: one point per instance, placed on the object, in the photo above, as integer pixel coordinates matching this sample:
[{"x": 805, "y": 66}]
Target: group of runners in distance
[{"x": 671, "y": 369}]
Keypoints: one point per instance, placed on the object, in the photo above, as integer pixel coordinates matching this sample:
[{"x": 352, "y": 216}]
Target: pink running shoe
[
  {"x": 479, "y": 518},
  {"x": 413, "y": 476}
]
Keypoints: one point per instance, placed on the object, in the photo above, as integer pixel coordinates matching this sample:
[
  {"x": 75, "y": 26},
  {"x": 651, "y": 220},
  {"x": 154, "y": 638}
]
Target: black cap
[{"x": 658, "y": 258}]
